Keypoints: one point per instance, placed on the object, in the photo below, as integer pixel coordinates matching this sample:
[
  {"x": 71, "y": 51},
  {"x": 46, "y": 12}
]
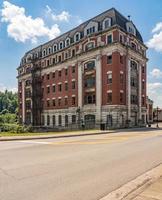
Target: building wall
[{"x": 123, "y": 49}]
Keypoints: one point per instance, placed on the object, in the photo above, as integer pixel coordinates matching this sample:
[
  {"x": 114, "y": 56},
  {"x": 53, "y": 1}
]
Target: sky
[{"x": 24, "y": 24}]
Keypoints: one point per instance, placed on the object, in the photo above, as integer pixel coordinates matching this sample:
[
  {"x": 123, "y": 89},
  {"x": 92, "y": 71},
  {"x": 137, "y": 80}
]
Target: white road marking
[{"x": 34, "y": 142}]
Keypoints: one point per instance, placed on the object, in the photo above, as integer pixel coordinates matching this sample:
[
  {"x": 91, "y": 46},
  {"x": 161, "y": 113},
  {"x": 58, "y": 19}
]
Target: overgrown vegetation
[{"x": 9, "y": 114}]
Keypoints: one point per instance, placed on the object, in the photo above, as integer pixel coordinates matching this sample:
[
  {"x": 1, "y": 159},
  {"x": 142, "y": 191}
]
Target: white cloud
[
  {"x": 156, "y": 73},
  {"x": 157, "y": 28},
  {"x": 22, "y": 27},
  {"x": 3, "y": 88},
  {"x": 63, "y": 16},
  {"x": 156, "y": 41},
  {"x": 155, "y": 93}
]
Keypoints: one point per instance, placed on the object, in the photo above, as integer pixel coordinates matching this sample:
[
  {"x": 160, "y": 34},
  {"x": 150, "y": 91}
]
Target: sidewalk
[{"x": 152, "y": 192}]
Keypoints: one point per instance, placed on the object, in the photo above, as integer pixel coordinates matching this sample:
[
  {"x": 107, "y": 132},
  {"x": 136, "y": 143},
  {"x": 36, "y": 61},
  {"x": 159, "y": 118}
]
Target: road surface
[{"x": 76, "y": 168}]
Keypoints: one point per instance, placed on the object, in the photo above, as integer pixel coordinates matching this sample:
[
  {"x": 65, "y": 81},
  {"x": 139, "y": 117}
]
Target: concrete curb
[
  {"x": 17, "y": 138},
  {"x": 131, "y": 188},
  {"x": 14, "y": 138}
]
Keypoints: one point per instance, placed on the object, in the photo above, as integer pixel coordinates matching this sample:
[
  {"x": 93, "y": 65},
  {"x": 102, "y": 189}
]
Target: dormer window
[
  {"x": 55, "y": 48},
  {"x": 61, "y": 45},
  {"x": 77, "y": 37},
  {"x": 91, "y": 28},
  {"x": 49, "y": 50},
  {"x": 44, "y": 52},
  {"x": 67, "y": 42},
  {"x": 106, "y": 23},
  {"x": 130, "y": 28}
]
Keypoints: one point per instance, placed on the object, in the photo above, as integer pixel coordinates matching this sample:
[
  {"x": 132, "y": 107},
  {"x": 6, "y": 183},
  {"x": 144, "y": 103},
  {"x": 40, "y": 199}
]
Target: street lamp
[{"x": 157, "y": 111}]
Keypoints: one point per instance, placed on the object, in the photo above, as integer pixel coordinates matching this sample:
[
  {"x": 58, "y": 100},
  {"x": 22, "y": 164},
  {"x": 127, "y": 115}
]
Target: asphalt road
[{"x": 78, "y": 168}]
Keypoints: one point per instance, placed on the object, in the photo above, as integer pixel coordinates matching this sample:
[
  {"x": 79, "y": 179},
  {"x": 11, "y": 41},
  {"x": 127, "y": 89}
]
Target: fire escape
[{"x": 36, "y": 94}]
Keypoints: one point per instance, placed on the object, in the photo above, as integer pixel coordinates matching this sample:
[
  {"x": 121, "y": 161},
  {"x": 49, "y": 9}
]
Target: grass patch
[{"x": 9, "y": 134}]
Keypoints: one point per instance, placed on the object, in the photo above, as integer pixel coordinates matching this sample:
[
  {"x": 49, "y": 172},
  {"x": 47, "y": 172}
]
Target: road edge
[{"x": 135, "y": 185}]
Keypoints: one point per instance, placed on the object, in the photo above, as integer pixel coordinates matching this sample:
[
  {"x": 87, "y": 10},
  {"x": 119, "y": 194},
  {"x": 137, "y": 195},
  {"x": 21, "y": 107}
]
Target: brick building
[{"x": 95, "y": 73}]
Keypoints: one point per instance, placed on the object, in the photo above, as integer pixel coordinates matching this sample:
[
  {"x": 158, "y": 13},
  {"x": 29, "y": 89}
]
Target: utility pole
[{"x": 157, "y": 110}]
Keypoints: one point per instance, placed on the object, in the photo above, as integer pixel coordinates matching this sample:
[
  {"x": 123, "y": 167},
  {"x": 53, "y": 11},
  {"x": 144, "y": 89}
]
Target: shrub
[{"x": 15, "y": 128}]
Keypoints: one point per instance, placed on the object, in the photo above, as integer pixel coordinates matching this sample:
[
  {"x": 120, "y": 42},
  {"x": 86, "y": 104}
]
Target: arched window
[
  {"x": 66, "y": 120},
  {"x": 54, "y": 120},
  {"x": 89, "y": 46},
  {"x": 106, "y": 23},
  {"x": 54, "y": 47},
  {"x": 76, "y": 37},
  {"x": 43, "y": 120},
  {"x": 89, "y": 65},
  {"x": 67, "y": 42},
  {"x": 60, "y": 120},
  {"x": 44, "y": 52},
  {"x": 61, "y": 45},
  {"x": 134, "y": 46},
  {"x": 48, "y": 120},
  {"x": 49, "y": 50},
  {"x": 73, "y": 119}
]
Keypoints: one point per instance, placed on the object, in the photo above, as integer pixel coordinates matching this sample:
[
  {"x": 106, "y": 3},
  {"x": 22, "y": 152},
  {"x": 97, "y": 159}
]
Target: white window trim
[
  {"x": 44, "y": 54},
  {"x": 61, "y": 42},
  {"x": 89, "y": 43},
  {"x": 50, "y": 50},
  {"x": 77, "y": 33},
  {"x": 109, "y": 72},
  {"x": 67, "y": 39},
  {"x": 107, "y": 37},
  {"x": 109, "y": 91},
  {"x": 103, "y": 24},
  {"x": 55, "y": 45}
]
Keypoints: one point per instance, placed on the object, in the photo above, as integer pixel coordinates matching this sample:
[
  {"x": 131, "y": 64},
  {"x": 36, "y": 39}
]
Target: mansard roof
[{"x": 116, "y": 19}]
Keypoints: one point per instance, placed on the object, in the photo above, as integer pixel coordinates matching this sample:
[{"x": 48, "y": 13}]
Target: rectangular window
[
  {"x": 48, "y": 103},
  {"x": 121, "y": 38},
  {"x": 54, "y": 102},
  {"x": 73, "y": 101},
  {"x": 66, "y": 101},
  {"x": 134, "y": 99},
  {"x": 73, "y": 119},
  {"x": 66, "y": 86},
  {"x": 59, "y": 102},
  {"x": 121, "y": 97},
  {"x": 53, "y": 74},
  {"x": 73, "y": 85},
  {"x": 59, "y": 58},
  {"x": 66, "y": 72},
  {"x": 73, "y": 69},
  {"x": 121, "y": 59},
  {"x": 109, "y": 78},
  {"x": 143, "y": 101},
  {"x": 54, "y": 88},
  {"x": 121, "y": 78},
  {"x": 143, "y": 85},
  {"x": 60, "y": 87},
  {"x": 54, "y": 60},
  {"x": 109, "y": 98},
  {"x": 48, "y": 76},
  {"x": 143, "y": 69},
  {"x": 59, "y": 73},
  {"x": 48, "y": 89},
  {"x": 109, "y": 39},
  {"x": 48, "y": 62},
  {"x": 109, "y": 59},
  {"x": 73, "y": 52}
]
